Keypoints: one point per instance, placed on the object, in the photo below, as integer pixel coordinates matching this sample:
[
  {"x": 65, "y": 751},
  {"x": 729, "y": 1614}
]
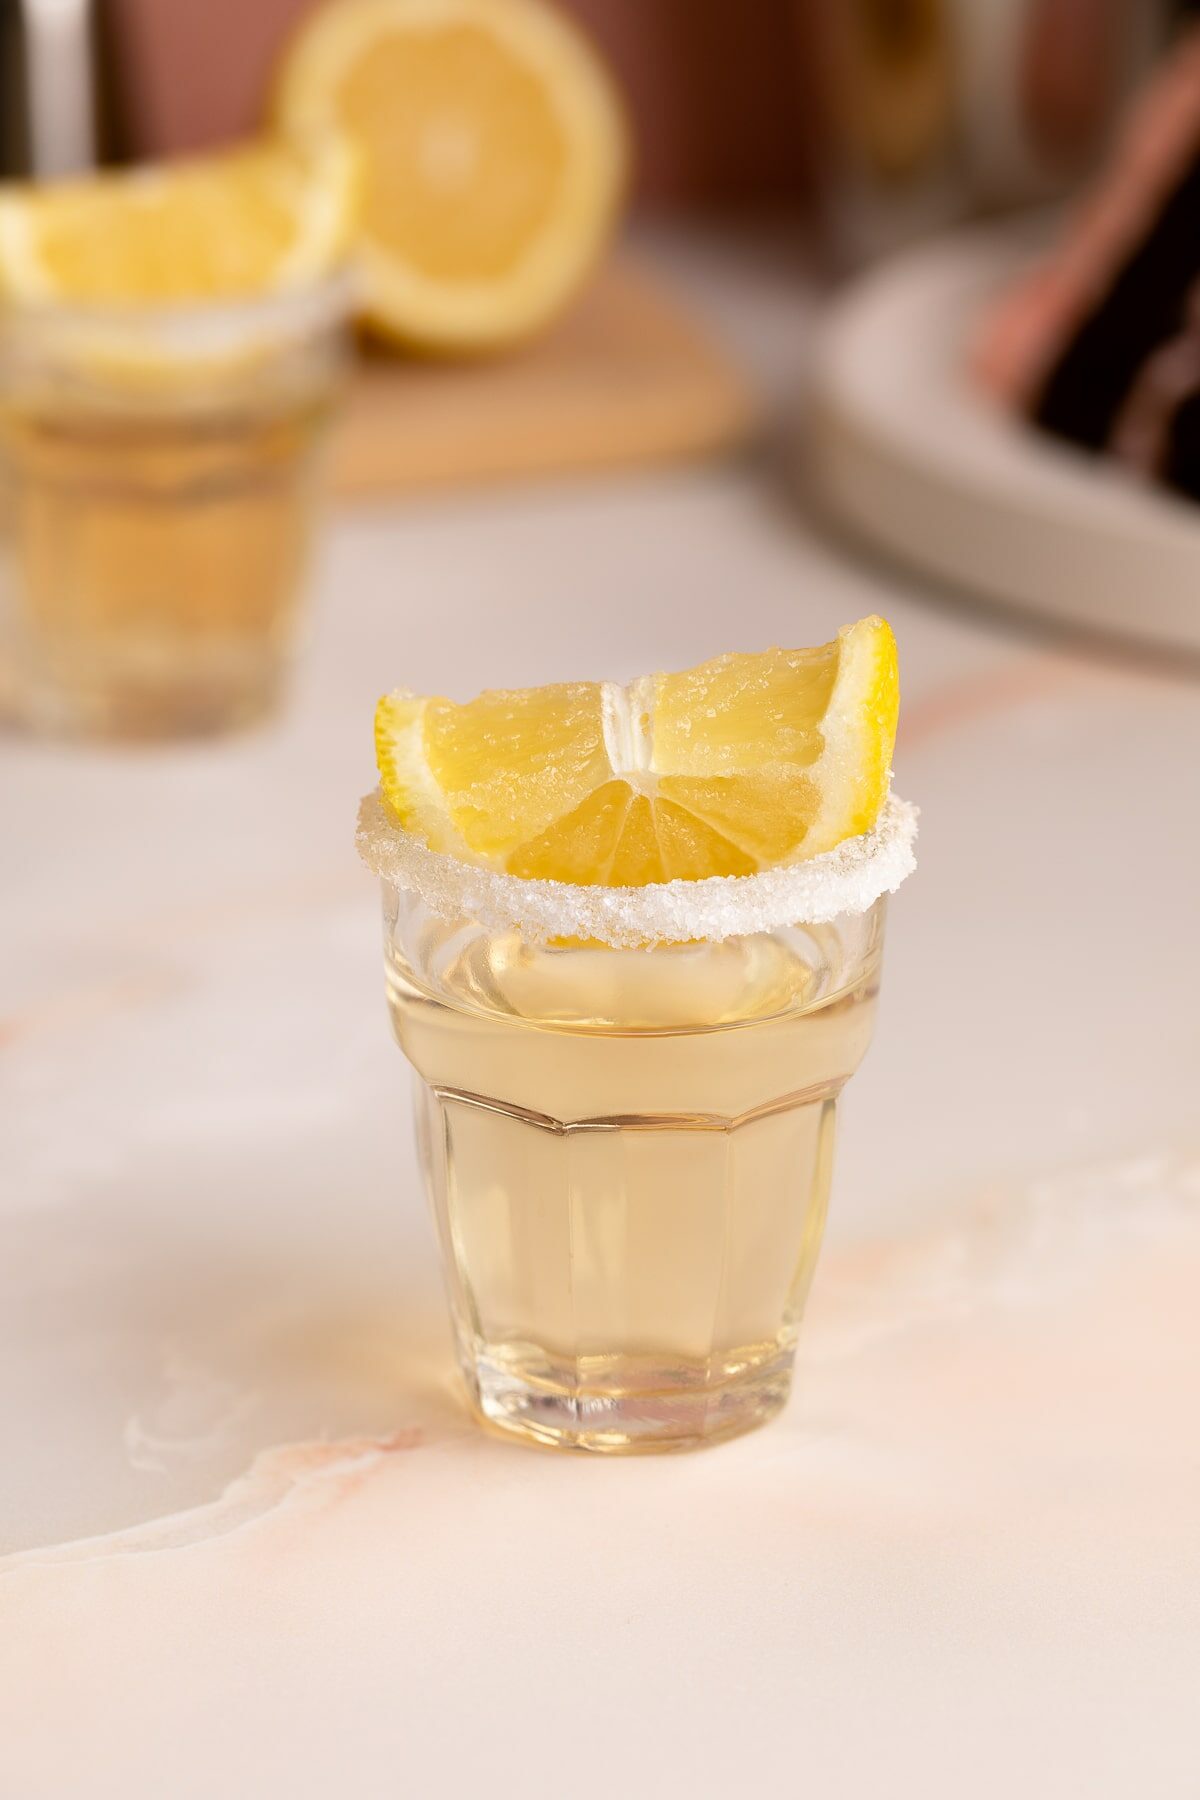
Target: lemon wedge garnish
[
  {"x": 232, "y": 226},
  {"x": 741, "y": 764}
]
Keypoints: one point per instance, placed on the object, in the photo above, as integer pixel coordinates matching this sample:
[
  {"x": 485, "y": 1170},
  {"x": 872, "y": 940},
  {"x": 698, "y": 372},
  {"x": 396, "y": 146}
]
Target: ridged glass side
[{"x": 630, "y": 1217}]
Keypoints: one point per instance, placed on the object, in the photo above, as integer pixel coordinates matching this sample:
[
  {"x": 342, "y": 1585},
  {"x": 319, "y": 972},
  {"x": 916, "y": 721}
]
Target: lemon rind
[
  {"x": 415, "y": 800},
  {"x": 853, "y": 773}
]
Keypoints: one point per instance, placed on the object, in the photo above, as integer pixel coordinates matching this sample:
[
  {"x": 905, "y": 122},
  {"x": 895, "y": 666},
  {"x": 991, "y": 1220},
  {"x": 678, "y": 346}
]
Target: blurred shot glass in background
[{"x": 159, "y": 472}]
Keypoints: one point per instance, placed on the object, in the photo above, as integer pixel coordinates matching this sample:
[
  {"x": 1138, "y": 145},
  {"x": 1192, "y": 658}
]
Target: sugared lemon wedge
[
  {"x": 232, "y": 226},
  {"x": 738, "y": 765},
  {"x": 493, "y": 152}
]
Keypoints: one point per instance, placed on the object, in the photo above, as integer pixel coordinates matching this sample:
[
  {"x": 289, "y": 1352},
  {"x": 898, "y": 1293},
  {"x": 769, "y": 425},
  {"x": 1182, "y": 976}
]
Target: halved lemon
[
  {"x": 493, "y": 150},
  {"x": 738, "y": 765},
  {"x": 232, "y": 226}
]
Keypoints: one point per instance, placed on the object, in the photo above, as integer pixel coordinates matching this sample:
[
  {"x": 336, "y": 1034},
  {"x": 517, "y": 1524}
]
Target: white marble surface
[{"x": 254, "y": 1546}]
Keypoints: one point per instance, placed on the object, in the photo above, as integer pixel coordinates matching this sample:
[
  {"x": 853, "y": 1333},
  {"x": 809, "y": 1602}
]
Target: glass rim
[
  {"x": 324, "y": 298},
  {"x": 151, "y": 353},
  {"x": 846, "y": 880}
]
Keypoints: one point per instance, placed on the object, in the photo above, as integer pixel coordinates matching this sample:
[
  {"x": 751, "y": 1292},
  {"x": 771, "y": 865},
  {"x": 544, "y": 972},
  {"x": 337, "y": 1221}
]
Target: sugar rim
[
  {"x": 845, "y": 880},
  {"x": 301, "y": 305},
  {"x": 105, "y": 348}
]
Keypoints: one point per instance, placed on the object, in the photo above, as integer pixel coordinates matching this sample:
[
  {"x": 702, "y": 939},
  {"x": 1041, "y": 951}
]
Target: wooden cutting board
[{"x": 627, "y": 377}]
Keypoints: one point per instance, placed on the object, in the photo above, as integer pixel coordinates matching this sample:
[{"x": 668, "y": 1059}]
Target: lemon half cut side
[{"x": 493, "y": 150}]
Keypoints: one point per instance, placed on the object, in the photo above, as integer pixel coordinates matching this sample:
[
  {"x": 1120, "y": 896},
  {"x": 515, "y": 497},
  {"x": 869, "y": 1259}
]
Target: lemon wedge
[
  {"x": 741, "y": 764},
  {"x": 232, "y": 226},
  {"x": 493, "y": 150}
]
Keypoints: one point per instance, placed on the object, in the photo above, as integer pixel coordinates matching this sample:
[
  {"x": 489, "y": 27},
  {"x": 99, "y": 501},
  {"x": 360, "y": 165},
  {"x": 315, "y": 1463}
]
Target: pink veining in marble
[{"x": 977, "y": 1514}]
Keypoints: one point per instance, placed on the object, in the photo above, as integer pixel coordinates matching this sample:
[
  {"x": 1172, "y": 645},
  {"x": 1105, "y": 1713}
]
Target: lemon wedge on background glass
[
  {"x": 741, "y": 764},
  {"x": 233, "y": 226},
  {"x": 493, "y": 150}
]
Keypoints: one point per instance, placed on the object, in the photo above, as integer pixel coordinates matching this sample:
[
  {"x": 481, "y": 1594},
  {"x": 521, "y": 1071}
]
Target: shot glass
[
  {"x": 159, "y": 474},
  {"x": 625, "y": 1106}
]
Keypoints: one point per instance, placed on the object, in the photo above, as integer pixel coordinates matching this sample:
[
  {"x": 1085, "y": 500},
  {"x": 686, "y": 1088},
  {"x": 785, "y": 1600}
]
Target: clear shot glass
[
  {"x": 628, "y": 1149},
  {"x": 159, "y": 478}
]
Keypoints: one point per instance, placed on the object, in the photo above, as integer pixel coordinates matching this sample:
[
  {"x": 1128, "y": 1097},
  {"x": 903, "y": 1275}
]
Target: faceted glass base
[
  {"x": 628, "y": 1155},
  {"x": 635, "y": 1411}
]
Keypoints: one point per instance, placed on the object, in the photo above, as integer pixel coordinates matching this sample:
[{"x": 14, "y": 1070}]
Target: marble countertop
[{"x": 254, "y": 1546}]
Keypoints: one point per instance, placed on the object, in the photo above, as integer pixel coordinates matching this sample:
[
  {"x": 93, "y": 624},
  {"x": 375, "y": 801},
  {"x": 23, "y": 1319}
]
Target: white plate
[{"x": 907, "y": 455}]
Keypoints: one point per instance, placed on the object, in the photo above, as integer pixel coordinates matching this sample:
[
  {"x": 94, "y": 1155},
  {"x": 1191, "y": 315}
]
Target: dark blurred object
[
  {"x": 936, "y": 109},
  {"x": 49, "y": 87},
  {"x": 1100, "y": 344}
]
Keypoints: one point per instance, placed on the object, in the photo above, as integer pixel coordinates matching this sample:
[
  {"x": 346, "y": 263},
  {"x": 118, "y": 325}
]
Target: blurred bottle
[
  {"x": 937, "y": 109},
  {"x": 50, "y": 102},
  {"x": 1044, "y": 83},
  {"x": 892, "y": 154}
]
